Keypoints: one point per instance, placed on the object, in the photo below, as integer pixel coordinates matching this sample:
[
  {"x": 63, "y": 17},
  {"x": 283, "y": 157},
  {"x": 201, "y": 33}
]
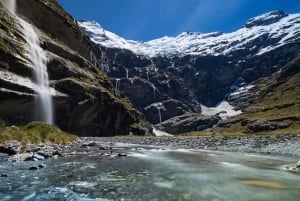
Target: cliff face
[
  {"x": 275, "y": 106},
  {"x": 85, "y": 102},
  {"x": 193, "y": 81}
]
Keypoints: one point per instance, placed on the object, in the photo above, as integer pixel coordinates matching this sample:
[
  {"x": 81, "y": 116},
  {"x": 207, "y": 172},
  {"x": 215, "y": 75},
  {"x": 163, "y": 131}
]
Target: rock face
[
  {"x": 177, "y": 76},
  {"x": 85, "y": 101}
]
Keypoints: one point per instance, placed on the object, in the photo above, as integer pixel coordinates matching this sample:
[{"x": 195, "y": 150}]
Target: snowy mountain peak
[
  {"x": 266, "y": 19},
  {"x": 259, "y": 35}
]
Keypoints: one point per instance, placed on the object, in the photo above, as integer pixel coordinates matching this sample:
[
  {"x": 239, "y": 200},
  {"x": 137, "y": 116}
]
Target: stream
[{"x": 152, "y": 173}]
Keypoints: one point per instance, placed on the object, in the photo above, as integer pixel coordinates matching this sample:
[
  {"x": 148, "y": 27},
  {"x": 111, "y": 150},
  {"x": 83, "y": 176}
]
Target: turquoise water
[{"x": 154, "y": 174}]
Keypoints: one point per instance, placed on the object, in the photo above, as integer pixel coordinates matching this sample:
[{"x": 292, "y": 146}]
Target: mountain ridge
[{"x": 215, "y": 43}]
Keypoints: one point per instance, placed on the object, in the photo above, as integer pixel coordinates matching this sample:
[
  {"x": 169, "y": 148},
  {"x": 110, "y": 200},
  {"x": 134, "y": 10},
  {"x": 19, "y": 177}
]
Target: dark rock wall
[{"x": 85, "y": 102}]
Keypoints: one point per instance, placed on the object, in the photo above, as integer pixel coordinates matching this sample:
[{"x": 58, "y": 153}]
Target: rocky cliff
[
  {"x": 194, "y": 81},
  {"x": 85, "y": 103}
]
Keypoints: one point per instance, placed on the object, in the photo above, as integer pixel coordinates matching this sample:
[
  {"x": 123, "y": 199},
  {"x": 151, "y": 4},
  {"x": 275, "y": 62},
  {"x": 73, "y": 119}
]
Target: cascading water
[
  {"x": 159, "y": 115},
  {"x": 44, "y": 111},
  {"x": 159, "y": 107},
  {"x": 10, "y": 5},
  {"x": 118, "y": 82},
  {"x": 127, "y": 73},
  {"x": 154, "y": 91},
  {"x": 38, "y": 58}
]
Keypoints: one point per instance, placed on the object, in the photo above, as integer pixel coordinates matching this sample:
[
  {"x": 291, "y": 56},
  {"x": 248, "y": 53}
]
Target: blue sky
[{"x": 150, "y": 19}]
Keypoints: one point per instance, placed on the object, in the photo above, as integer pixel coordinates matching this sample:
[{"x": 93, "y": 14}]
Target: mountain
[
  {"x": 84, "y": 100},
  {"x": 259, "y": 35},
  {"x": 194, "y": 81}
]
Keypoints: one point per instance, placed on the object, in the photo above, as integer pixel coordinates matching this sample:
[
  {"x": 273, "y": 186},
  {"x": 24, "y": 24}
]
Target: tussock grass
[{"x": 35, "y": 133}]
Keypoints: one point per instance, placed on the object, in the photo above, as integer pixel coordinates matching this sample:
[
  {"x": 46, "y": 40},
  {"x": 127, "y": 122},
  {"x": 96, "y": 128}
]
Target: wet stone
[
  {"x": 122, "y": 154},
  {"x": 41, "y": 166},
  {"x": 33, "y": 168},
  {"x": 38, "y": 157}
]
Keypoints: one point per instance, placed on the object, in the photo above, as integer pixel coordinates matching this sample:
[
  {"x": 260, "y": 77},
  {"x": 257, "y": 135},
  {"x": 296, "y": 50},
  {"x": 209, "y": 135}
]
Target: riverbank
[
  {"x": 285, "y": 145},
  {"x": 263, "y": 144}
]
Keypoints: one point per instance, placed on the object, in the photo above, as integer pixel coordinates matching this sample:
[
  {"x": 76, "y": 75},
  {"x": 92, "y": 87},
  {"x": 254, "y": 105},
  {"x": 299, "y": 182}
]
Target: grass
[
  {"x": 35, "y": 133},
  {"x": 279, "y": 101}
]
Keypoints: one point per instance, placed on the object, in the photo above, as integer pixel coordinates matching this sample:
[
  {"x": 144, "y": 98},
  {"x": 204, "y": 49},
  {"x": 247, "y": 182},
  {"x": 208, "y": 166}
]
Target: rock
[
  {"x": 89, "y": 144},
  {"x": 3, "y": 175},
  {"x": 10, "y": 147},
  {"x": 187, "y": 123},
  {"x": 122, "y": 154},
  {"x": 33, "y": 168},
  {"x": 38, "y": 157},
  {"x": 23, "y": 157},
  {"x": 266, "y": 19},
  {"x": 266, "y": 126},
  {"x": 41, "y": 166}
]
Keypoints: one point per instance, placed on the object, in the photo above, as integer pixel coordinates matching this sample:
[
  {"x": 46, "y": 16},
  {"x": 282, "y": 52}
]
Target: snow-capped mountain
[
  {"x": 276, "y": 27},
  {"x": 191, "y": 81}
]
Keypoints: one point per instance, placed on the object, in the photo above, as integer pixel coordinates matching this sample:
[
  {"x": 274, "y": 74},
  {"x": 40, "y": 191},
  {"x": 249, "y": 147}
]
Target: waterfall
[
  {"x": 159, "y": 106},
  {"x": 154, "y": 91},
  {"x": 127, "y": 74},
  {"x": 159, "y": 114},
  {"x": 38, "y": 58},
  {"x": 10, "y": 5},
  {"x": 118, "y": 82}
]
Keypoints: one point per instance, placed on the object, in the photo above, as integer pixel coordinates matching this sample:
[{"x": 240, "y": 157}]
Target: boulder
[
  {"x": 188, "y": 123},
  {"x": 258, "y": 126}
]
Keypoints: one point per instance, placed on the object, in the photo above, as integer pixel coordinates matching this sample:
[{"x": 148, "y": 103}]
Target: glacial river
[{"x": 154, "y": 174}]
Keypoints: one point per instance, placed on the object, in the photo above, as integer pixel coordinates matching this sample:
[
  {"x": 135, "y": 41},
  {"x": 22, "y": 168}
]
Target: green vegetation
[
  {"x": 34, "y": 133},
  {"x": 277, "y": 102}
]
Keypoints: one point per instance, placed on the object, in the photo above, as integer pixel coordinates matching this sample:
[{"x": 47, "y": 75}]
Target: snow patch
[
  {"x": 159, "y": 133},
  {"x": 241, "y": 90},
  {"x": 224, "y": 109}
]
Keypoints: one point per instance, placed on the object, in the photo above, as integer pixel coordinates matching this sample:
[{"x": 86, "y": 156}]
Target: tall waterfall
[
  {"x": 10, "y": 5},
  {"x": 38, "y": 58},
  {"x": 44, "y": 110}
]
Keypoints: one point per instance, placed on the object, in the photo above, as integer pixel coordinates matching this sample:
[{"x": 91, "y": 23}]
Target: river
[{"x": 152, "y": 173}]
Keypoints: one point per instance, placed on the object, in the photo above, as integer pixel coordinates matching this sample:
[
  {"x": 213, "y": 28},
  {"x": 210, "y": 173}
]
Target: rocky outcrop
[
  {"x": 188, "y": 123},
  {"x": 266, "y": 126},
  {"x": 266, "y": 19},
  {"x": 84, "y": 100}
]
